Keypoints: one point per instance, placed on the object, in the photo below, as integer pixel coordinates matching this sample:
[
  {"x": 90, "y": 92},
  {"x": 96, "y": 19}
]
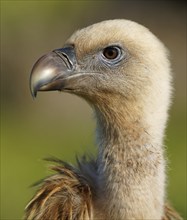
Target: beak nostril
[{"x": 68, "y": 55}]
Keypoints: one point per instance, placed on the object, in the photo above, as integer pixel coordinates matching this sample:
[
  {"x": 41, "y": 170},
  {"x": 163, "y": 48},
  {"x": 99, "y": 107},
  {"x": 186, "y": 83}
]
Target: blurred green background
[{"x": 62, "y": 125}]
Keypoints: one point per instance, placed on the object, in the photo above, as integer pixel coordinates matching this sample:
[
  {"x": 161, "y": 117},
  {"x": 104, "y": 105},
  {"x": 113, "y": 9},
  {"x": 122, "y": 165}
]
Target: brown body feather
[{"x": 63, "y": 196}]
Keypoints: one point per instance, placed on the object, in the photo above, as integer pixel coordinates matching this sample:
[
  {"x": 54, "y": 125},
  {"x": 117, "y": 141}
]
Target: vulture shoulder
[{"x": 65, "y": 195}]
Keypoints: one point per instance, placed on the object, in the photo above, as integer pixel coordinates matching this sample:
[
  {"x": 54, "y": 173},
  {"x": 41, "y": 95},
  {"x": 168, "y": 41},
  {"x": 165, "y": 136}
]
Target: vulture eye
[{"x": 112, "y": 55}]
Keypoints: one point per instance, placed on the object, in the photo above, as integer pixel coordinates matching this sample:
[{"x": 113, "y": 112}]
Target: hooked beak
[{"x": 51, "y": 70}]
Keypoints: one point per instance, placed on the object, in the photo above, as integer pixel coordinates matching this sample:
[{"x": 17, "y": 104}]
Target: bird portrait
[{"x": 122, "y": 71}]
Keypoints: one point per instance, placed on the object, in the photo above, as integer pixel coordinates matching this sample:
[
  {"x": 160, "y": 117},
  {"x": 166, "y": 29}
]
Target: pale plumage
[{"x": 122, "y": 70}]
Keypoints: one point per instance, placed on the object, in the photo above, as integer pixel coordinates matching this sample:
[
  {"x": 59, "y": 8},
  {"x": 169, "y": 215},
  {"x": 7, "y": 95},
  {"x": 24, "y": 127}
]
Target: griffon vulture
[{"x": 122, "y": 70}]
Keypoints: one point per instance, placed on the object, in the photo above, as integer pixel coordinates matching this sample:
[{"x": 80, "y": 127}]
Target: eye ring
[{"x": 111, "y": 53}]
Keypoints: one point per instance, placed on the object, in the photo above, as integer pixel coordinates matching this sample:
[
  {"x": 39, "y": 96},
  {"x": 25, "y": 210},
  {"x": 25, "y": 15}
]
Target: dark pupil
[{"x": 110, "y": 53}]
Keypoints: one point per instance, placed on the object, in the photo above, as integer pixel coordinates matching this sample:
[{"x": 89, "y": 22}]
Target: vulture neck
[{"x": 130, "y": 165}]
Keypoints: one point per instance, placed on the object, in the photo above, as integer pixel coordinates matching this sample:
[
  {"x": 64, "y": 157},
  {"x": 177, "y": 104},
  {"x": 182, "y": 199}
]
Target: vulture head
[{"x": 118, "y": 66}]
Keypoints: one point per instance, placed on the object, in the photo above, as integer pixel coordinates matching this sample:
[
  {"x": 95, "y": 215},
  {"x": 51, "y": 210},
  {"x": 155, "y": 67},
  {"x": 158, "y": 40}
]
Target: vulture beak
[{"x": 51, "y": 70}]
